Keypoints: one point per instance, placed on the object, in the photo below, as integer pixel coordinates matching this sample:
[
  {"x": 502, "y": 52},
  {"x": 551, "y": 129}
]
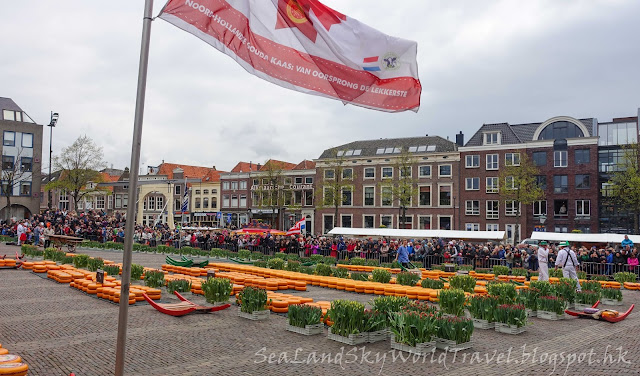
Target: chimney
[
  {"x": 214, "y": 167},
  {"x": 460, "y": 139},
  {"x": 258, "y": 166}
]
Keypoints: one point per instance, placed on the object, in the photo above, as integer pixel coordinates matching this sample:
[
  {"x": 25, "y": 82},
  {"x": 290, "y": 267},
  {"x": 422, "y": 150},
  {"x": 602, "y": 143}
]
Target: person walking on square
[
  {"x": 403, "y": 254},
  {"x": 569, "y": 261},
  {"x": 543, "y": 261}
]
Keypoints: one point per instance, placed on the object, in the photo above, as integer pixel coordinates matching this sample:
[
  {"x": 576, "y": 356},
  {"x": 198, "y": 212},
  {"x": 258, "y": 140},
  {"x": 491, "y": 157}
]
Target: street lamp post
[{"x": 52, "y": 123}]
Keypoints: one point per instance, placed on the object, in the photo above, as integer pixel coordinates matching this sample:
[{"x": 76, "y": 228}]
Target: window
[
  {"x": 308, "y": 180},
  {"x": 26, "y": 164},
  {"x": 27, "y": 140},
  {"x": 444, "y": 170},
  {"x": 178, "y": 188},
  {"x": 347, "y": 197},
  {"x": 405, "y": 171},
  {"x": 424, "y": 222},
  {"x": 493, "y": 209},
  {"x": 9, "y": 115},
  {"x": 125, "y": 200},
  {"x": 345, "y": 220},
  {"x": 234, "y": 201},
  {"x": 387, "y": 196},
  {"x": 205, "y": 203},
  {"x": 9, "y": 138},
  {"x": 540, "y": 208},
  {"x": 255, "y": 182},
  {"x": 118, "y": 201},
  {"x": 583, "y": 182},
  {"x": 560, "y": 184},
  {"x": 367, "y": 220},
  {"x": 234, "y": 185},
  {"x": 80, "y": 205},
  {"x": 264, "y": 182},
  {"x": 512, "y": 159},
  {"x": 582, "y": 156},
  {"x": 492, "y": 185},
  {"x": 472, "y": 161},
  {"x": 329, "y": 174},
  {"x": 387, "y": 172},
  {"x": 25, "y": 188},
  {"x": 197, "y": 192},
  {"x": 492, "y": 161},
  {"x": 327, "y": 195},
  {"x": 287, "y": 180},
  {"x": 492, "y": 138},
  {"x": 226, "y": 202},
  {"x": 617, "y": 133},
  {"x": 445, "y": 222},
  {"x": 63, "y": 201},
  {"x": 386, "y": 220},
  {"x": 347, "y": 173},
  {"x": 472, "y": 226},
  {"x": 110, "y": 202},
  {"x": 424, "y": 171},
  {"x": 152, "y": 202},
  {"x": 297, "y": 197},
  {"x": 509, "y": 182},
  {"x": 299, "y": 180},
  {"x": 160, "y": 203},
  {"x": 243, "y": 201},
  {"x": 205, "y": 191},
  {"x": 510, "y": 208},
  {"x": 583, "y": 208},
  {"x": 473, "y": 184},
  {"x": 560, "y": 158},
  {"x": 369, "y": 172},
  {"x": 328, "y": 223},
  {"x": 559, "y": 130},
  {"x": 369, "y": 196},
  {"x": 425, "y": 196},
  {"x": 406, "y": 222},
  {"x": 472, "y": 207},
  {"x": 560, "y": 208},
  {"x": 197, "y": 200},
  {"x": 177, "y": 206},
  {"x": 541, "y": 181},
  {"x": 243, "y": 185},
  {"x": 7, "y": 162},
  {"x": 540, "y": 158},
  {"x": 493, "y": 227},
  {"x": 308, "y": 198},
  {"x": 445, "y": 195}
]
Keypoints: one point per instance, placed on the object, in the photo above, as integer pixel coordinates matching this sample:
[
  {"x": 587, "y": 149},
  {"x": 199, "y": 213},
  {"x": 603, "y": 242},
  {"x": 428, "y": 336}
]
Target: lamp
[{"x": 52, "y": 123}]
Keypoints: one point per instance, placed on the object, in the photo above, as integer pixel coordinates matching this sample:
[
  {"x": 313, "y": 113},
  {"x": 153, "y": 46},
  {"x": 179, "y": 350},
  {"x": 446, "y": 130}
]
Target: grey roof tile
[{"x": 369, "y": 147}]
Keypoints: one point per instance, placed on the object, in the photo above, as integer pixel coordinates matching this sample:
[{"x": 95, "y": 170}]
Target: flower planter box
[
  {"x": 308, "y": 330},
  {"x": 483, "y": 324},
  {"x": 419, "y": 349},
  {"x": 531, "y": 313},
  {"x": 581, "y": 307},
  {"x": 380, "y": 335},
  {"x": 256, "y": 315},
  {"x": 353, "y": 339},
  {"x": 449, "y": 345},
  {"x": 509, "y": 329},
  {"x": 545, "y": 315},
  {"x": 606, "y": 301}
]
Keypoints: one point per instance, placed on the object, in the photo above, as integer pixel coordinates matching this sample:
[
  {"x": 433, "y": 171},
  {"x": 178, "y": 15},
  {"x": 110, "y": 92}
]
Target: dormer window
[{"x": 492, "y": 138}]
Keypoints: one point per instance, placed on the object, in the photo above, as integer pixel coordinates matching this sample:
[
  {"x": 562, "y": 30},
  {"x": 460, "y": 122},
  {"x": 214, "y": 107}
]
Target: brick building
[
  {"x": 564, "y": 150},
  {"x": 374, "y": 166}
]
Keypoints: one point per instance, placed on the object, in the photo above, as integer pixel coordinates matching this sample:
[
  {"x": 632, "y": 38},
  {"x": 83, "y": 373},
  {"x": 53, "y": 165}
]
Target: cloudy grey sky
[{"x": 479, "y": 62}]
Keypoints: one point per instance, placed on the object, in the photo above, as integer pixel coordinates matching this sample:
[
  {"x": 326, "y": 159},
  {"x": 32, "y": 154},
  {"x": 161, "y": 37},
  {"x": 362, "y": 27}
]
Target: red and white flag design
[
  {"x": 306, "y": 46},
  {"x": 297, "y": 228}
]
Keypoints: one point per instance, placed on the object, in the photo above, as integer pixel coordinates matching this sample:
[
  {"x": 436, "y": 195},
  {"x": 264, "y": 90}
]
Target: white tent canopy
[
  {"x": 582, "y": 238},
  {"x": 419, "y": 234}
]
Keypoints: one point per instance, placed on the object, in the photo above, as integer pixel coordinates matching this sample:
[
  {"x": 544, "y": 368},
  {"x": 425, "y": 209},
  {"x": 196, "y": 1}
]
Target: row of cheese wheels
[
  {"x": 11, "y": 365},
  {"x": 193, "y": 271},
  {"x": 7, "y": 262}
]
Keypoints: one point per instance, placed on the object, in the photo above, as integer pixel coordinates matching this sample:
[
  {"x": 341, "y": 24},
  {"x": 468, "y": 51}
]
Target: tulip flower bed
[
  {"x": 529, "y": 299},
  {"x": 611, "y": 296},
  {"x": 413, "y": 331},
  {"x": 305, "y": 319},
  {"x": 510, "y": 318},
  {"x": 348, "y": 322},
  {"x": 482, "y": 309},
  {"x": 253, "y": 303},
  {"x": 452, "y": 301},
  {"x": 453, "y": 333},
  {"x": 551, "y": 307}
]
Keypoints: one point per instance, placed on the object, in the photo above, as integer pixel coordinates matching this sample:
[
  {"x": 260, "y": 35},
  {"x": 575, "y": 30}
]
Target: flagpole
[{"x": 133, "y": 189}]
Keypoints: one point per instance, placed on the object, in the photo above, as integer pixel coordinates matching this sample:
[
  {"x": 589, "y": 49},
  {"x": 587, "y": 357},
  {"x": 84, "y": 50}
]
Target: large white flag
[{"x": 306, "y": 46}]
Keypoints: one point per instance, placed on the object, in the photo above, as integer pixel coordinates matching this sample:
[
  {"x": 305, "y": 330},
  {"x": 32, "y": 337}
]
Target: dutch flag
[{"x": 371, "y": 60}]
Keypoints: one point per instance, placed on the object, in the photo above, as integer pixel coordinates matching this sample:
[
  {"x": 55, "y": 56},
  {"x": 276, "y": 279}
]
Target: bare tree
[
  {"x": 404, "y": 187},
  {"x": 271, "y": 191},
  {"x": 78, "y": 165},
  {"x": 336, "y": 188},
  {"x": 13, "y": 173}
]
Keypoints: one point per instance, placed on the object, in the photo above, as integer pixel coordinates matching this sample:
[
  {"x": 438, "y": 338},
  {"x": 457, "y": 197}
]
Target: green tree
[
  {"x": 624, "y": 183},
  {"x": 517, "y": 186},
  {"x": 403, "y": 187},
  {"x": 78, "y": 165},
  {"x": 13, "y": 173},
  {"x": 336, "y": 188}
]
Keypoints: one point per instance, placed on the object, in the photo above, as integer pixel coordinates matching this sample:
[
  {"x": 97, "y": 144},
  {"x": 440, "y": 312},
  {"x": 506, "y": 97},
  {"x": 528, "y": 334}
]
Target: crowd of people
[{"x": 103, "y": 227}]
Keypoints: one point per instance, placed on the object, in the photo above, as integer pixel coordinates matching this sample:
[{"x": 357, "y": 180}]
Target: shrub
[
  {"x": 358, "y": 261},
  {"x": 622, "y": 277},
  {"x": 407, "y": 279},
  {"x": 343, "y": 262},
  {"x": 53, "y": 254},
  {"x": 301, "y": 315},
  {"x": 136, "y": 272},
  {"x": 545, "y": 288},
  {"x": 340, "y": 272},
  {"x": 275, "y": 263},
  {"x": 81, "y": 261},
  {"x": 179, "y": 285},
  {"x": 292, "y": 266},
  {"x": 217, "y": 290},
  {"x": 505, "y": 292},
  {"x": 500, "y": 270},
  {"x": 252, "y": 299},
  {"x": 612, "y": 293},
  {"x": 519, "y": 272},
  {"x": 359, "y": 276},
  {"x": 260, "y": 264},
  {"x": 219, "y": 253},
  {"x": 244, "y": 254},
  {"x": 482, "y": 270},
  {"x": 582, "y": 275},
  {"x": 374, "y": 321},
  {"x": 347, "y": 317},
  {"x": 482, "y": 307},
  {"x": 511, "y": 314},
  {"x": 28, "y": 249},
  {"x": 432, "y": 283},
  {"x": 556, "y": 273},
  {"x": 599, "y": 277},
  {"x": 95, "y": 263},
  {"x": 591, "y": 286},
  {"x": 454, "y": 329},
  {"x": 307, "y": 269},
  {"x": 372, "y": 262},
  {"x": 566, "y": 289},
  {"x": 323, "y": 270},
  {"x": 452, "y": 301},
  {"x": 111, "y": 269},
  {"x": 381, "y": 275},
  {"x": 329, "y": 260},
  {"x": 114, "y": 245},
  {"x": 466, "y": 267},
  {"x": 154, "y": 278},
  {"x": 256, "y": 256},
  {"x": 388, "y": 304},
  {"x": 316, "y": 258},
  {"x": 463, "y": 281},
  {"x": 528, "y": 298}
]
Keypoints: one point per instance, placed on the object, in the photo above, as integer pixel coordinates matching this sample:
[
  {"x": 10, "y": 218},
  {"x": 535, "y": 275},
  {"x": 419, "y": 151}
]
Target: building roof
[
  {"x": 8, "y": 104},
  {"x": 516, "y": 133},
  {"x": 212, "y": 176},
  {"x": 245, "y": 167},
  {"x": 372, "y": 148},
  {"x": 277, "y": 165},
  {"x": 189, "y": 171},
  {"x": 305, "y": 165}
]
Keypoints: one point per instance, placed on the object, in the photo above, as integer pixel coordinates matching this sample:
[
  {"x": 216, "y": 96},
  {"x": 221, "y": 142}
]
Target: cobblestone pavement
[{"x": 59, "y": 330}]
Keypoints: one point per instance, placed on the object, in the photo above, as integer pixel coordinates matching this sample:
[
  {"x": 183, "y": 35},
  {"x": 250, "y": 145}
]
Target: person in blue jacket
[
  {"x": 402, "y": 256},
  {"x": 626, "y": 243}
]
